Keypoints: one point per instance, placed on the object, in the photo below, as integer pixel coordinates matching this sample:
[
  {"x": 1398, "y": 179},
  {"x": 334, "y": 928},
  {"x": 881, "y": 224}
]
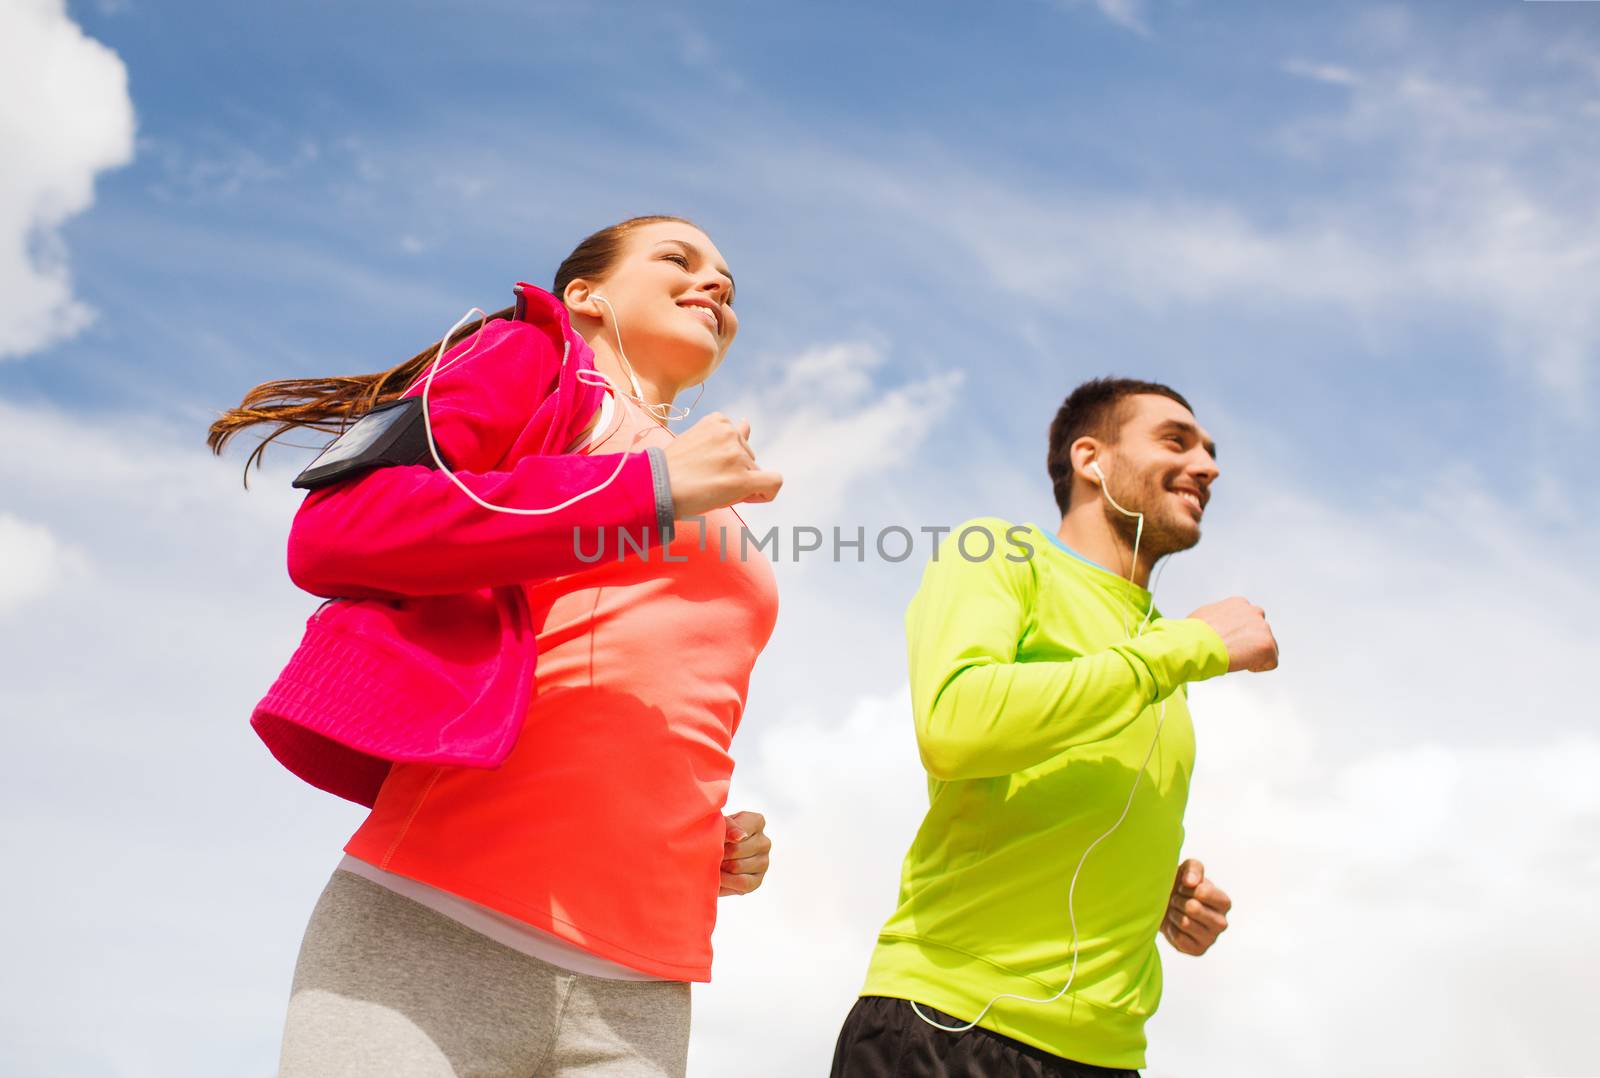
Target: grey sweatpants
[{"x": 387, "y": 988}]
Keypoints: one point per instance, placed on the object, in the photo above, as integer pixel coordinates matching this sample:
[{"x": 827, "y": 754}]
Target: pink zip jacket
[{"x": 428, "y": 656}]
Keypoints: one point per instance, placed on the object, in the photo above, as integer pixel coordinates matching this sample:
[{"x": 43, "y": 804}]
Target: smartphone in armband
[{"x": 392, "y": 433}]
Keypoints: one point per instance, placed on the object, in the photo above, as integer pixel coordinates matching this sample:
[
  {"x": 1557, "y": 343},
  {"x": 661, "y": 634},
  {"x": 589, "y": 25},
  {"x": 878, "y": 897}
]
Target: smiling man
[{"x": 1051, "y": 714}]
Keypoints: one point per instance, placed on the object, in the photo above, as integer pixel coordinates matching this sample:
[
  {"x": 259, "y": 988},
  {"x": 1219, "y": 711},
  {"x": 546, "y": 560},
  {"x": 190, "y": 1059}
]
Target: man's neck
[{"x": 1086, "y": 530}]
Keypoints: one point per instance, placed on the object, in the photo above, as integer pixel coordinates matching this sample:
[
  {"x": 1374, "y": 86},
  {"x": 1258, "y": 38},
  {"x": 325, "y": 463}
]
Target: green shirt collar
[{"x": 1138, "y": 596}]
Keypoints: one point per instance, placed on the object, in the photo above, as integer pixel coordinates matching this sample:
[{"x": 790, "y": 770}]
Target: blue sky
[{"x": 1362, "y": 239}]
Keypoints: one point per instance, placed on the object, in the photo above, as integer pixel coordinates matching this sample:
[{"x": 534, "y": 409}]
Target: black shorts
[{"x": 884, "y": 1038}]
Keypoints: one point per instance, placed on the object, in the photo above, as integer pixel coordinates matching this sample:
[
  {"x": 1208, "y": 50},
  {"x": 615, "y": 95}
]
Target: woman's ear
[{"x": 579, "y": 298}]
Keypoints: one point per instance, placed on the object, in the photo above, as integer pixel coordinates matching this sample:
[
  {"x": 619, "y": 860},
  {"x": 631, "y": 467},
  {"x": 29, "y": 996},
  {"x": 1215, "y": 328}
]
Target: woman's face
[{"x": 672, "y": 295}]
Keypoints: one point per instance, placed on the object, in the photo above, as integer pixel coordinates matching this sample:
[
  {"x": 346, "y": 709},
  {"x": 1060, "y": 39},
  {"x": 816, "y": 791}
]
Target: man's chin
[{"x": 1174, "y": 537}]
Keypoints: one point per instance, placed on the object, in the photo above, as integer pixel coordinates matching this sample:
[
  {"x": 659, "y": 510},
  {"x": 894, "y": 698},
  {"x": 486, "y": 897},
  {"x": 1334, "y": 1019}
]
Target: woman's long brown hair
[{"x": 331, "y": 404}]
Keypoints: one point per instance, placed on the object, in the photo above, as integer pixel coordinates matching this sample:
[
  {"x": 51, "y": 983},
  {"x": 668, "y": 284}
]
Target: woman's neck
[{"x": 610, "y": 364}]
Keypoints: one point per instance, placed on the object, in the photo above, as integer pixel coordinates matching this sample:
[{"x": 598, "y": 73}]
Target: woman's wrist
[{"x": 665, "y": 510}]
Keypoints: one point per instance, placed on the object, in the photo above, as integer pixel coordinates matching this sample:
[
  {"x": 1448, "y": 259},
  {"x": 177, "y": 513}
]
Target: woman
[{"x": 536, "y": 883}]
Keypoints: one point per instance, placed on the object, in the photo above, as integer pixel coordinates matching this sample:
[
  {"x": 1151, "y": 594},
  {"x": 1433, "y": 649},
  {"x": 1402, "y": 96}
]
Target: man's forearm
[{"x": 995, "y": 718}]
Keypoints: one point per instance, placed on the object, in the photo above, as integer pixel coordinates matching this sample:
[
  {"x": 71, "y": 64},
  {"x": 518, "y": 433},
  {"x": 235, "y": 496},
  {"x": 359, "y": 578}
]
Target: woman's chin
[
  {"x": 690, "y": 361},
  {"x": 680, "y": 358}
]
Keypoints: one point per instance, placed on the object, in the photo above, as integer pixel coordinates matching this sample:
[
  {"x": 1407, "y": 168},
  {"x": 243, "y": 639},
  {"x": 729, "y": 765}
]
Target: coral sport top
[{"x": 604, "y": 824}]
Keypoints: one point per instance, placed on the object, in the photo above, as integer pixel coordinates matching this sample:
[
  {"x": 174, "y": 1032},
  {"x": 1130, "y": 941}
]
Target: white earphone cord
[
  {"x": 427, "y": 421},
  {"x": 1072, "y": 887},
  {"x": 664, "y": 410}
]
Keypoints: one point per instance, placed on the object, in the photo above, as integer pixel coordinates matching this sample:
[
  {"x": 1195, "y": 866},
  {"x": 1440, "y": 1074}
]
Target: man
[{"x": 1051, "y": 715}]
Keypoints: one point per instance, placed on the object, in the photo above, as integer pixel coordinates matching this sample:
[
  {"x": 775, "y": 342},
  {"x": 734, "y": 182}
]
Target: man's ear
[{"x": 1083, "y": 452}]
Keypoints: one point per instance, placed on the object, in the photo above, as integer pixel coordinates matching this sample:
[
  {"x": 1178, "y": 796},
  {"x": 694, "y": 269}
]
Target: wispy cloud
[
  {"x": 1330, "y": 73},
  {"x": 1128, "y": 14},
  {"x": 1471, "y": 207},
  {"x": 221, "y": 167}
]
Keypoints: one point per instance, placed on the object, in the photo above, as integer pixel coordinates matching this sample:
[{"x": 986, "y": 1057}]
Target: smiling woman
[
  {"x": 331, "y": 403},
  {"x": 479, "y": 922}
]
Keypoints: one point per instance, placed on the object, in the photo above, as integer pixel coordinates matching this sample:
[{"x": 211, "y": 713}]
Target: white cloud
[
  {"x": 126, "y": 696},
  {"x": 66, "y": 114},
  {"x": 842, "y": 796},
  {"x": 828, "y": 426},
  {"x": 32, "y": 562},
  {"x": 1433, "y": 897},
  {"x": 1434, "y": 607}
]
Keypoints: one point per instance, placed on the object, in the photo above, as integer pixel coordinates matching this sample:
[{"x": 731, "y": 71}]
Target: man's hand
[
  {"x": 1197, "y": 912},
  {"x": 744, "y": 853},
  {"x": 1244, "y": 629}
]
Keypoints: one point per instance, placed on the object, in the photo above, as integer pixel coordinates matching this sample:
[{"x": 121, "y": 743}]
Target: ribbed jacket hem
[{"x": 343, "y": 709}]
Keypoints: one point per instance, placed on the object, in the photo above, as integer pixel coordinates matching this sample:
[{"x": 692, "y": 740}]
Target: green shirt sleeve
[{"x": 981, "y": 713}]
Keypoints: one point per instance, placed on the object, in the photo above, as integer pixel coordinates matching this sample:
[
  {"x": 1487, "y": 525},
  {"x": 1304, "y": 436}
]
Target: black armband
[{"x": 392, "y": 433}]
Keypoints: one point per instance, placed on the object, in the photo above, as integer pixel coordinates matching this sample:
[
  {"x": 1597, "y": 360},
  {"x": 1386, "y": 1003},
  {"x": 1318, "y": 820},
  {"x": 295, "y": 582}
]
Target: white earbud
[{"x": 1094, "y": 466}]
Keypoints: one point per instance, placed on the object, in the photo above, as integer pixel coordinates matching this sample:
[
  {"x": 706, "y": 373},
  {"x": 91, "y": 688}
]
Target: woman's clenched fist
[{"x": 710, "y": 466}]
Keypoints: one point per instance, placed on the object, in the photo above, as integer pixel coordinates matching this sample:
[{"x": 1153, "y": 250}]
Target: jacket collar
[{"x": 575, "y": 400}]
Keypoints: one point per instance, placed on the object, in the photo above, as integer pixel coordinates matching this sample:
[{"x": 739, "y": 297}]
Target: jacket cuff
[{"x": 666, "y": 516}]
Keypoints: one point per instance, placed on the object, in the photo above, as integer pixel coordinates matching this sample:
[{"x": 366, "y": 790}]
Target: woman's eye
[{"x": 679, "y": 259}]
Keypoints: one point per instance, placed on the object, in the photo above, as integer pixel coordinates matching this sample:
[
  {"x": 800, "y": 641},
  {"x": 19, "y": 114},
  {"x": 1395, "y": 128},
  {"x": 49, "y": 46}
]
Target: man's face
[{"x": 1162, "y": 465}]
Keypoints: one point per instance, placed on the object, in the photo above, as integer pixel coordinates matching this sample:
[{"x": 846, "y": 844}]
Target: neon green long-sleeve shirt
[{"x": 1035, "y": 705}]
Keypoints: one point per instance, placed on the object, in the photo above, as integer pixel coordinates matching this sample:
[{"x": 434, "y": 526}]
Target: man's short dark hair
[{"x": 1095, "y": 409}]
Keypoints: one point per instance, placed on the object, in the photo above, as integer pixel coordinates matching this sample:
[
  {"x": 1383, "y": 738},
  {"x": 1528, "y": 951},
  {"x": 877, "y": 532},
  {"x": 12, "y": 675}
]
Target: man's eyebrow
[
  {"x": 690, "y": 248},
  {"x": 1190, "y": 429}
]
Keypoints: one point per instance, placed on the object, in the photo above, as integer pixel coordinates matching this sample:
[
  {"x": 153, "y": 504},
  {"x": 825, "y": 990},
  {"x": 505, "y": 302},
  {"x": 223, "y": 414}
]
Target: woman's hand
[
  {"x": 710, "y": 466},
  {"x": 744, "y": 853}
]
